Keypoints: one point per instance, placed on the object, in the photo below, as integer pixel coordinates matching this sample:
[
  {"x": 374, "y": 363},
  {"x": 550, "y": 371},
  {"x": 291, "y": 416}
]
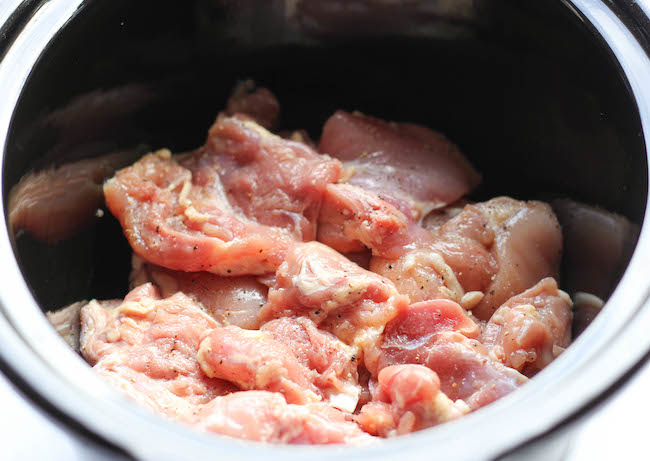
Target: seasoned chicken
[
  {"x": 229, "y": 300},
  {"x": 532, "y": 328},
  {"x": 409, "y": 166}
]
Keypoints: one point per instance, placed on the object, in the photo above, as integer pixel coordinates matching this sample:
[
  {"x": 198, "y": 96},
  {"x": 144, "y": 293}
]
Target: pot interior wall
[{"x": 529, "y": 93}]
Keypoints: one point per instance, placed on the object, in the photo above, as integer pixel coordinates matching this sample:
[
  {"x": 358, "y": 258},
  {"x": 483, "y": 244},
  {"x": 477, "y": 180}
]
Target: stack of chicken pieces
[{"x": 290, "y": 292}]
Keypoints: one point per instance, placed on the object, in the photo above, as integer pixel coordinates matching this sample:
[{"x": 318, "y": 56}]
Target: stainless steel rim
[{"x": 613, "y": 345}]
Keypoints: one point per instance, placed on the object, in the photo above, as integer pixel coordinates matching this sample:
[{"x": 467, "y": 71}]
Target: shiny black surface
[{"x": 524, "y": 88}]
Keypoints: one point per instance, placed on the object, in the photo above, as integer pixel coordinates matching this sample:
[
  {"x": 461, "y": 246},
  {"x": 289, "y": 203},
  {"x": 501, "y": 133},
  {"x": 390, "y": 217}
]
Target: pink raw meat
[
  {"x": 266, "y": 417},
  {"x": 532, "y": 328},
  {"x": 272, "y": 180},
  {"x": 412, "y": 167},
  {"x": 338, "y": 295},
  {"x": 257, "y": 103},
  {"x": 498, "y": 248},
  {"x": 254, "y": 360},
  {"x": 408, "y": 398},
  {"x": 464, "y": 366},
  {"x": 153, "y": 342},
  {"x": 353, "y": 219},
  {"x": 229, "y": 300},
  {"x": 183, "y": 221}
]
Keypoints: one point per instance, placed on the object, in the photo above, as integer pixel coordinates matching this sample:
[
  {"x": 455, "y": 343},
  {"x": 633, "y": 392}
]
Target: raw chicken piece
[
  {"x": 409, "y": 166},
  {"x": 67, "y": 322},
  {"x": 57, "y": 203},
  {"x": 251, "y": 415},
  {"x": 335, "y": 293},
  {"x": 408, "y": 399},
  {"x": 456, "y": 260},
  {"x": 266, "y": 417},
  {"x": 183, "y": 221},
  {"x": 498, "y": 248},
  {"x": 254, "y": 360},
  {"x": 527, "y": 248},
  {"x": 229, "y": 300},
  {"x": 257, "y": 103},
  {"x": 464, "y": 366},
  {"x": 288, "y": 355},
  {"x": 333, "y": 365},
  {"x": 274, "y": 181},
  {"x": 598, "y": 245},
  {"x": 153, "y": 341},
  {"x": 531, "y": 329},
  {"x": 353, "y": 219},
  {"x": 425, "y": 319}
]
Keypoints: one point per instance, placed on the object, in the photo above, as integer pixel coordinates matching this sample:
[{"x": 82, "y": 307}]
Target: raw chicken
[
  {"x": 266, "y": 417},
  {"x": 287, "y": 355},
  {"x": 527, "y": 248},
  {"x": 183, "y": 221},
  {"x": 272, "y": 180},
  {"x": 408, "y": 398},
  {"x": 152, "y": 341},
  {"x": 338, "y": 295},
  {"x": 238, "y": 323},
  {"x": 498, "y": 248},
  {"x": 229, "y": 300},
  {"x": 333, "y": 365},
  {"x": 67, "y": 320},
  {"x": 257, "y": 103},
  {"x": 464, "y": 366},
  {"x": 352, "y": 220},
  {"x": 409, "y": 166},
  {"x": 531, "y": 329},
  {"x": 254, "y": 360}
]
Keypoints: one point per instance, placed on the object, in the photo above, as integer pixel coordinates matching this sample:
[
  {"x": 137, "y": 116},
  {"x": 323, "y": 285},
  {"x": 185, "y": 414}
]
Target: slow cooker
[{"x": 548, "y": 98}]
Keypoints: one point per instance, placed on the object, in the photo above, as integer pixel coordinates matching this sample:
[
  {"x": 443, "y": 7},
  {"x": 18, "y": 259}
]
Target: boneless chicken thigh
[
  {"x": 287, "y": 294},
  {"x": 339, "y": 296},
  {"x": 495, "y": 250},
  {"x": 229, "y": 300},
  {"x": 410, "y": 166},
  {"x": 532, "y": 328}
]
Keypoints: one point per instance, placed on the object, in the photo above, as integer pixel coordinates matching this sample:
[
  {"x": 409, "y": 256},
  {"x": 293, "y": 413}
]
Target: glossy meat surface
[
  {"x": 410, "y": 166},
  {"x": 333, "y": 365},
  {"x": 439, "y": 342},
  {"x": 229, "y": 300},
  {"x": 339, "y": 296},
  {"x": 274, "y": 181},
  {"x": 153, "y": 341},
  {"x": 352, "y": 220},
  {"x": 182, "y": 220},
  {"x": 254, "y": 360},
  {"x": 408, "y": 399},
  {"x": 287, "y": 294},
  {"x": 532, "y": 328},
  {"x": 288, "y": 355},
  {"x": 497, "y": 248},
  {"x": 266, "y": 417}
]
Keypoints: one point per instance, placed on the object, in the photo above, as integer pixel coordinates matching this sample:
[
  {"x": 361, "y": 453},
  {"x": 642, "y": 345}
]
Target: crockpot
[{"x": 548, "y": 98}]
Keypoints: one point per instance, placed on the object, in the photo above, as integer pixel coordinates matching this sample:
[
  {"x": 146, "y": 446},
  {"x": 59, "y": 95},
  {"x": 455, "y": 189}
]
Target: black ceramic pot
[{"x": 548, "y": 98}]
